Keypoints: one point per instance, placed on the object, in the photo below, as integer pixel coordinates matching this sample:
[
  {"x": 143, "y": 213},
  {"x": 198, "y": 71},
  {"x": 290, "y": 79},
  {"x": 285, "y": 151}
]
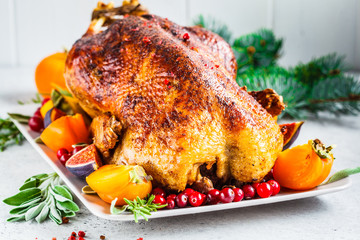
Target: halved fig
[
  {"x": 290, "y": 132},
  {"x": 84, "y": 162}
]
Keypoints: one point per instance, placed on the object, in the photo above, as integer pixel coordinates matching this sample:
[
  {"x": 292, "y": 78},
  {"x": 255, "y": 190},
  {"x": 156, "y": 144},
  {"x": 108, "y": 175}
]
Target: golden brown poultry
[{"x": 173, "y": 91}]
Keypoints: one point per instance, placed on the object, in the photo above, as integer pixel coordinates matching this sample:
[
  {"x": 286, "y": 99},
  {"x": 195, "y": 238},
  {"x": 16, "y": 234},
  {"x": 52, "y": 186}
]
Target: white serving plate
[{"x": 102, "y": 209}]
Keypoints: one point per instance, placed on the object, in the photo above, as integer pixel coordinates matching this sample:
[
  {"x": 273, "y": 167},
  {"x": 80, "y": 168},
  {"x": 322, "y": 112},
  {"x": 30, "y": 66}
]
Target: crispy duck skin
[{"x": 176, "y": 99}]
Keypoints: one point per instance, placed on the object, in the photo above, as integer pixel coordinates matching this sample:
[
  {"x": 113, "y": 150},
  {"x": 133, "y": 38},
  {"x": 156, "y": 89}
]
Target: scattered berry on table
[
  {"x": 181, "y": 200},
  {"x": 81, "y": 238},
  {"x": 36, "y": 124},
  {"x": 158, "y": 191},
  {"x": 196, "y": 199},
  {"x": 81, "y": 234},
  {"x": 72, "y": 238},
  {"x": 102, "y": 237},
  {"x": 227, "y": 195},
  {"x": 73, "y": 234},
  {"x": 249, "y": 191},
  {"x": 275, "y": 187},
  {"x": 170, "y": 203},
  {"x": 239, "y": 195},
  {"x": 213, "y": 197},
  {"x": 264, "y": 190}
]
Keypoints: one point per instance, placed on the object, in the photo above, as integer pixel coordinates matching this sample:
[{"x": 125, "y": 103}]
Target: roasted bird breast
[{"x": 165, "y": 97}]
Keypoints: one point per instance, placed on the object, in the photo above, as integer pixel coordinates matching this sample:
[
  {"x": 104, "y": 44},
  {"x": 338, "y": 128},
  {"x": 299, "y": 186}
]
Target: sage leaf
[
  {"x": 63, "y": 192},
  {"x": 69, "y": 214},
  {"x": 70, "y": 205},
  {"x": 14, "y": 219},
  {"x": 20, "y": 210},
  {"x": 43, "y": 214},
  {"x": 19, "y": 117},
  {"x": 30, "y": 202},
  {"x": 55, "y": 215},
  {"x": 38, "y": 140},
  {"x": 23, "y": 196},
  {"x": 38, "y": 176},
  {"x": 34, "y": 211},
  {"x": 343, "y": 174},
  {"x": 34, "y": 182}
]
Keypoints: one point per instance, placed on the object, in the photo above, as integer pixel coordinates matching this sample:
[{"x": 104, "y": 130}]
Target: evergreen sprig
[
  {"x": 215, "y": 26},
  {"x": 307, "y": 89},
  {"x": 9, "y": 134}
]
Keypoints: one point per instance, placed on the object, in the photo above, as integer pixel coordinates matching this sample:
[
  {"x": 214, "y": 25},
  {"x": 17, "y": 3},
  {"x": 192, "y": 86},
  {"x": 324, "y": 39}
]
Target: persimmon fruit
[
  {"x": 303, "y": 167},
  {"x": 50, "y": 73}
]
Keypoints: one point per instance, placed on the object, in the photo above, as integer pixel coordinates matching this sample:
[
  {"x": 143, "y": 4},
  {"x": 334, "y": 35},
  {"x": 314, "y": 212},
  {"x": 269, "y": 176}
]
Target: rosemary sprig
[
  {"x": 41, "y": 197},
  {"x": 9, "y": 134},
  {"x": 138, "y": 207},
  {"x": 36, "y": 99}
]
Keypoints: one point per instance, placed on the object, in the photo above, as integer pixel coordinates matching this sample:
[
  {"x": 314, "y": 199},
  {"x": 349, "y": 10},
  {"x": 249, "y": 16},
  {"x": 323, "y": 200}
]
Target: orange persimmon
[
  {"x": 65, "y": 132},
  {"x": 120, "y": 181},
  {"x": 303, "y": 167},
  {"x": 50, "y": 73}
]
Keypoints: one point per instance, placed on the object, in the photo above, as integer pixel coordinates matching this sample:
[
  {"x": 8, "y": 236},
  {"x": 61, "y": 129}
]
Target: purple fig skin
[
  {"x": 83, "y": 170},
  {"x": 293, "y": 138},
  {"x": 84, "y": 162}
]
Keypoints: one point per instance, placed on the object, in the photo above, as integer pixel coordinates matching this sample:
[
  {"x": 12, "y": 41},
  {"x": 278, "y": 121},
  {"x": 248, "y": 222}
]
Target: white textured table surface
[{"x": 332, "y": 216}]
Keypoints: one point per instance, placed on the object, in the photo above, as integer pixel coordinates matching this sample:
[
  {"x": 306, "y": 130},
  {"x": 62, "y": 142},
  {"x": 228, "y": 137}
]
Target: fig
[
  {"x": 290, "y": 132},
  {"x": 84, "y": 162},
  {"x": 52, "y": 115}
]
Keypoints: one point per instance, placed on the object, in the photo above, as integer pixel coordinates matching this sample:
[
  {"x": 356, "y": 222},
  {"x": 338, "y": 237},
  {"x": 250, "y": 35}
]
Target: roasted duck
[{"x": 164, "y": 97}]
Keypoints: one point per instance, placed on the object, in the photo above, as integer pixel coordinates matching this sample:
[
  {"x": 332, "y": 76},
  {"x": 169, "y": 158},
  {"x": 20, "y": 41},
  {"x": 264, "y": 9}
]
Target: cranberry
[
  {"x": 44, "y": 101},
  {"x": 73, "y": 234},
  {"x": 61, "y": 152},
  {"x": 249, "y": 191},
  {"x": 158, "y": 191},
  {"x": 77, "y": 149},
  {"x": 264, "y": 190},
  {"x": 213, "y": 197},
  {"x": 275, "y": 187},
  {"x": 186, "y": 36},
  {"x": 196, "y": 199},
  {"x": 36, "y": 124},
  {"x": 170, "y": 203},
  {"x": 239, "y": 194},
  {"x": 159, "y": 200},
  {"x": 38, "y": 113},
  {"x": 81, "y": 234},
  {"x": 181, "y": 200},
  {"x": 171, "y": 196},
  {"x": 63, "y": 159},
  {"x": 188, "y": 192},
  {"x": 255, "y": 185},
  {"x": 72, "y": 238},
  {"x": 227, "y": 195},
  {"x": 81, "y": 238}
]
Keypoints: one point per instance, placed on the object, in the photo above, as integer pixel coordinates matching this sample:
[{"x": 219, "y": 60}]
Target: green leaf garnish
[
  {"x": 343, "y": 174},
  {"x": 42, "y": 197}
]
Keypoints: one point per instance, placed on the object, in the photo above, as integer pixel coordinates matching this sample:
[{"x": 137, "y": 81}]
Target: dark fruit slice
[
  {"x": 290, "y": 132},
  {"x": 52, "y": 115},
  {"x": 84, "y": 162}
]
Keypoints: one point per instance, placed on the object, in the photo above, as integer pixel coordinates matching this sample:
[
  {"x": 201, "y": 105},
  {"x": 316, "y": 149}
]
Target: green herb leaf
[
  {"x": 70, "y": 205},
  {"x": 30, "y": 184},
  {"x": 23, "y": 196},
  {"x": 63, "y": 192},
  {"x": 34, "y": 211},
  {"x": 117, "y": 210},
  {"x": 43, "y": 214},
  {"x": 17, "y": 218},
  {"x": 19, "y": 117},
  {"x": 343, "y": 174}
]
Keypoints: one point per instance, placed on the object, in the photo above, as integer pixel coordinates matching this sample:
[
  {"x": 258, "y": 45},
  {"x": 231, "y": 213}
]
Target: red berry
[
  {"x": 81, "y": 234},
  {"x": 188, "y": 192},
  {"x": 249, "y": 191},
  {"x": 73, "y": 234},
  {"x": 61, "y": 152},
  {"x": 72, "y": 238},
  {"x": 44, "y": 101},
  {"x": 171, "y": 196},
  {"x": 159, "y": 200},
  {"x": 63, "y": 159},
  {"x": 186, "y": 36},
  {"x": 81, "y": 238},
  {"x": 77, "y": 149},
  {"x": 196, "y": 199},
  {"x": 264, "y": 190},
  {"x": 170, "y": 203},
  {"x": 239, "y": 194},
  {"x": 158, "y": 191},
  {"x": 213, "y": 197},
  {"x": 255, "y": 185},
  {"x": 275, "y": 187},
  {"x": 181, "y": 200},
  {"x": 38, "y": 113},
  {"x": 36, "y": 124},
  {"x": 227, "y": 195}
]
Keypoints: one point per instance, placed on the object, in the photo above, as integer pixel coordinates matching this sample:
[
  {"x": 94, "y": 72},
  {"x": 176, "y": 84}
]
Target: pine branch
[{"x": 215, "y": 26}]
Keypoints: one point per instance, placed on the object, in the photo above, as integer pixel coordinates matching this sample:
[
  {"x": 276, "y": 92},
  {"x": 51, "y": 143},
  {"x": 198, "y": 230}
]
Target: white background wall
[{"x": 32, "y": 29}]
